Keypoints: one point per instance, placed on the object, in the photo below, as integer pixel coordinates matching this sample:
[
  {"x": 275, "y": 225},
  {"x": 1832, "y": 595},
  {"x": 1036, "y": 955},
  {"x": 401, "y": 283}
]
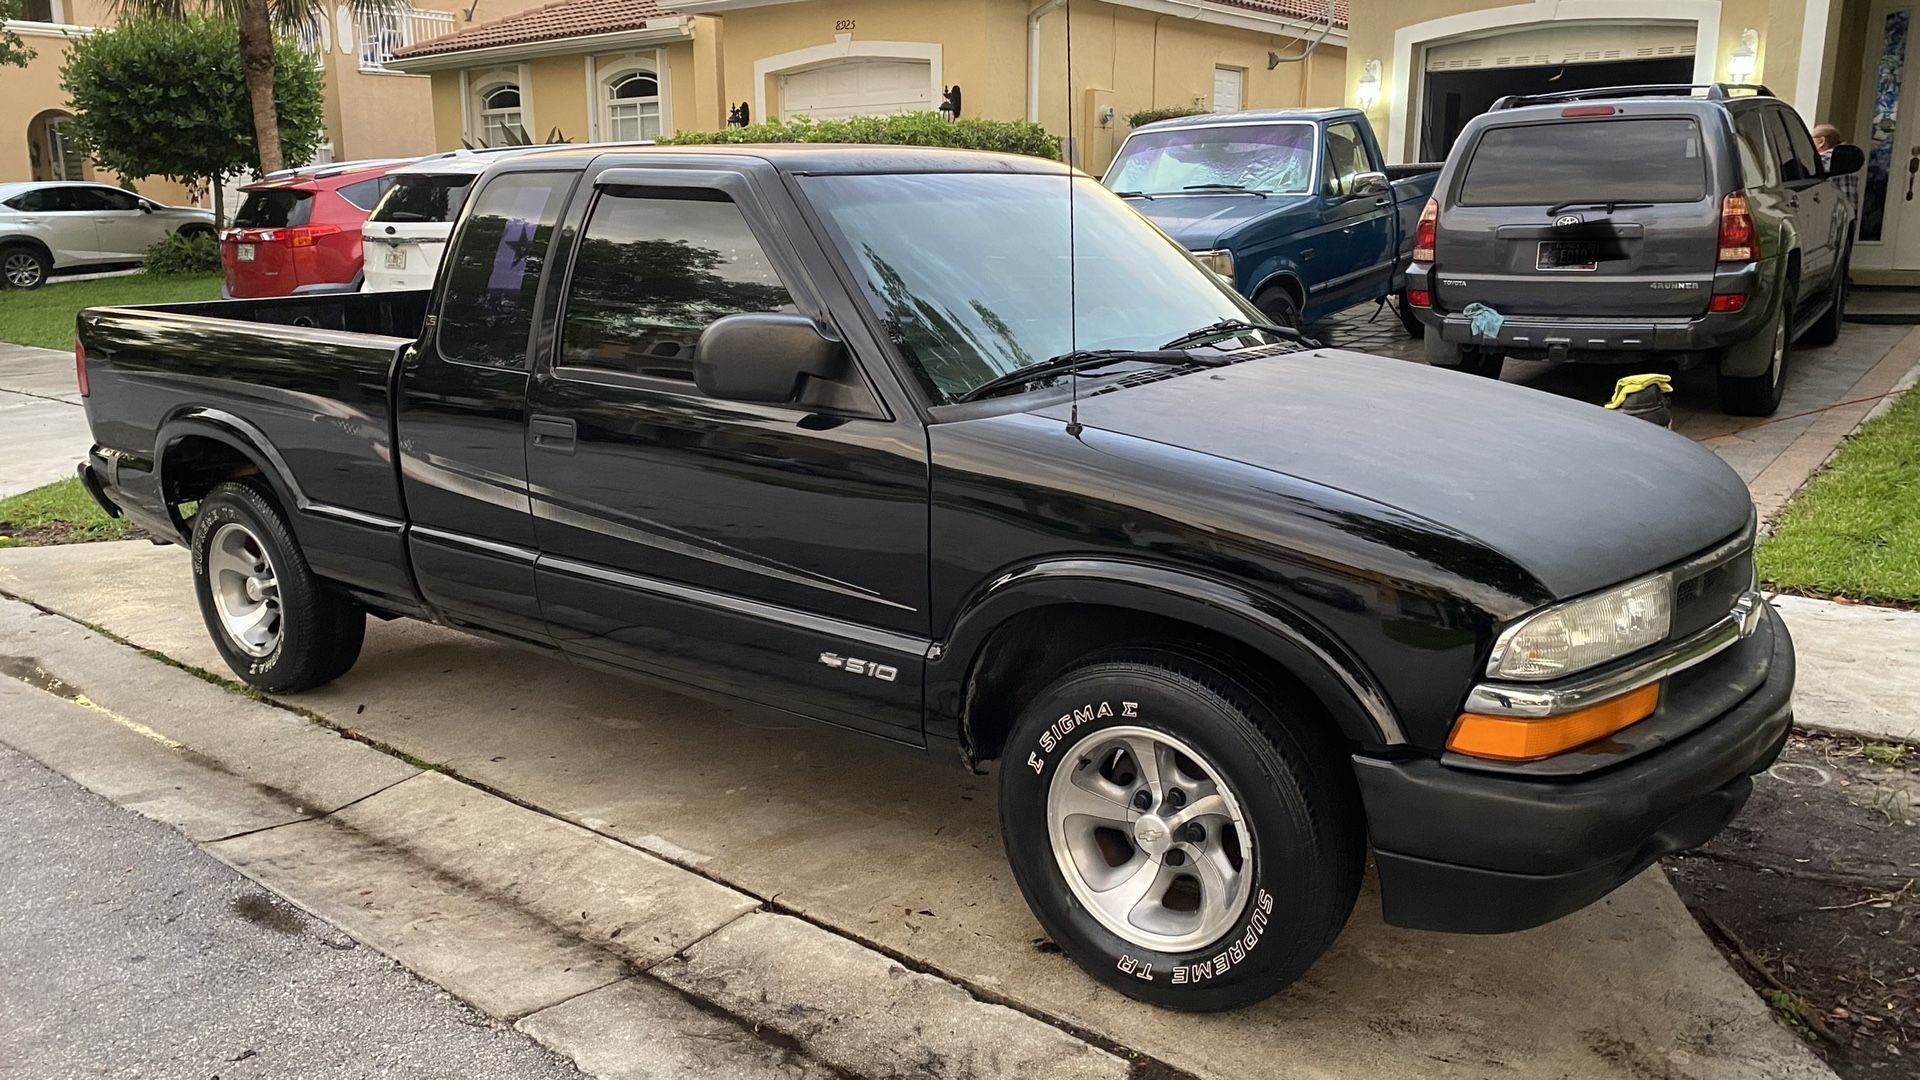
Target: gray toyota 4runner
[{"x": 1691, "y": 225}]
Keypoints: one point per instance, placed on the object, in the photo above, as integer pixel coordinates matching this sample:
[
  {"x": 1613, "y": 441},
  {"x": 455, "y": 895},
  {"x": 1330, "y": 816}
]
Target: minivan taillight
[
  {"x": 1423, "y": 232},
  {"x": 1738, "y": 241},
  {"x": 80, "y": 367}
]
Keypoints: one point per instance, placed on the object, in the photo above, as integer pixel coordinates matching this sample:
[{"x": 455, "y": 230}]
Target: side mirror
[
  {"x": 763, "y": 356},
  {"x": 1370, "y": 184},
  {"x": 1846, "y": 159}
]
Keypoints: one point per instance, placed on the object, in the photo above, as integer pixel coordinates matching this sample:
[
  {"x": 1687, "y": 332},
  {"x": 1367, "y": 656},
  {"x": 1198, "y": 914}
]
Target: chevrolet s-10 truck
[{"x": 788, "y": 427}]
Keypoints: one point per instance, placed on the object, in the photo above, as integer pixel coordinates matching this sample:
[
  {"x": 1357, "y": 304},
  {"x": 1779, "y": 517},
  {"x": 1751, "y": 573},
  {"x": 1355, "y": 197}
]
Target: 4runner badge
[{"x": 883, "y": 672}]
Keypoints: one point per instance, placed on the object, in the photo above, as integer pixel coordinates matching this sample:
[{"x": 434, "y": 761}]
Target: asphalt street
[{"x": 126, "y": 952}]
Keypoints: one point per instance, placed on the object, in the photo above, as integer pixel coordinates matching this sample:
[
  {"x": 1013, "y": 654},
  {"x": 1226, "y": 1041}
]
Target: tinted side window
[
  {"x": 655, "y": 268},
  {"x": 1793, "y": 166},
  {"x": 366, "y": 193},
  {"x": 1346, "y": 158},
  {"x": 39, "y": 201},
  {"x": 495, "y": 270},
  {"x": 1758, "y": 168}
]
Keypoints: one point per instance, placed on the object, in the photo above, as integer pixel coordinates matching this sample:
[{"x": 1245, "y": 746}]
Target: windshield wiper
[
  {"x": 1229, "y": 327},
  {"x": 1135, "y": 195},
  {"x": 1240, "y": 188},
  {"x": 1611, "y": 206},
  {"x": 1083, "y": 360}
]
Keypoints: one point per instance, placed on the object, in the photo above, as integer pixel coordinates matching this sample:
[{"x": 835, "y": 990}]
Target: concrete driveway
[
  {"x": 904, "y": 854},
  {"x": 43, "y": 428}
]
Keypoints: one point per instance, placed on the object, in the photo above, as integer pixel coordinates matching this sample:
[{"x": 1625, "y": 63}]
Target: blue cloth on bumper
[{"x": 1485, "y": 321}]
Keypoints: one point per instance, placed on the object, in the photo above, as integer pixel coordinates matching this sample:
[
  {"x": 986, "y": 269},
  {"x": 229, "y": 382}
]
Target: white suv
[
  {"x": 58, "y": 225},
  {"x": 408, "y": 230}
]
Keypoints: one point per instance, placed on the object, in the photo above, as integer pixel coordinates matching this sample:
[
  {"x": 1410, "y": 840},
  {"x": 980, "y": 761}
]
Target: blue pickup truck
[{"x": 1295, "y": 206}]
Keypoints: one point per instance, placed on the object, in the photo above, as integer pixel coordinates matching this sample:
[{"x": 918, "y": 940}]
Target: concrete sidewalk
[
  {"x": 1859, "y": 668},
  {"x": 43, "y": 427},
  {"x": 840, "y": 844}
]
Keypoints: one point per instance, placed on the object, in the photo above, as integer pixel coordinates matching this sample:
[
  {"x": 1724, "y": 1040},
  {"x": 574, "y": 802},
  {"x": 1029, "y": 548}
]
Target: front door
[
  {"x": 774, "y": 552},
  {"x": 1354, "y": 247},
  {"x": 1888, "y": 234}
]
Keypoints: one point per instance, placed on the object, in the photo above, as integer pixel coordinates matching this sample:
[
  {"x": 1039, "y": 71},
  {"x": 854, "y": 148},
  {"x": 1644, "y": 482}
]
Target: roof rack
[{"x": 1714, "y": 92}]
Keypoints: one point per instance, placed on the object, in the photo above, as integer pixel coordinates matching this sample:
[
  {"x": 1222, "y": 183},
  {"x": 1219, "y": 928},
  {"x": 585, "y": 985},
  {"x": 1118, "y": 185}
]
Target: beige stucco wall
[{"x": 555, "y": 94}]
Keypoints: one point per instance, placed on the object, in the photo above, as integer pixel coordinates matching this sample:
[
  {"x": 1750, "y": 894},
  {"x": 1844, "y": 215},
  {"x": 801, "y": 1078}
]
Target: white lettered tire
[{"x": 1184, "y": 838}]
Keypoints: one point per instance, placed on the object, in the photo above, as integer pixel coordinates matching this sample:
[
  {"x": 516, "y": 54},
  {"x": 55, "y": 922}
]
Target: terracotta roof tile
[
  {"x": 1308, "y": 10},
  {"x": 569, "y": 18}
]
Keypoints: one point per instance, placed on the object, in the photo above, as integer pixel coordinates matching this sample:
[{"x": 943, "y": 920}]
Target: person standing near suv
[{"x": 1682, "y": 225}]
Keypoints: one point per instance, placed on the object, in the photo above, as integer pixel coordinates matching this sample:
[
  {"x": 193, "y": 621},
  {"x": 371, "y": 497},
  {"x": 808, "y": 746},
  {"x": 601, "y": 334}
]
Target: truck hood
[
  {"x": 1199, "y": 222},
  {"x": 1579, "y": 496}
]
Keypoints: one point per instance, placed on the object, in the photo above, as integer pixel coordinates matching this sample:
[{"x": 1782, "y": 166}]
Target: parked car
[
  {"x": 298, "y": 232},
  {"x": 1692, "y": 225},
  {"x": 48, "y": 226},
  {"x": 1296, "y": 207},
  {"x": 786, "y": 426},
  {"x": 407, "y": 232}
]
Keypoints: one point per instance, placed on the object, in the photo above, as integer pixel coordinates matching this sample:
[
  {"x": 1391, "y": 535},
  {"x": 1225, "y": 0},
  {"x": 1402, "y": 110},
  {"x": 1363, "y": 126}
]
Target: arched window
[
  {"x": 632, "y": 106},
  {"x": 500, "y": 115}
]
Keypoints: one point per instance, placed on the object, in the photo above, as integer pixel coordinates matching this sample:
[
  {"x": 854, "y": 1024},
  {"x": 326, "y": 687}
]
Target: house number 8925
[{"x": 842, "y": 25}]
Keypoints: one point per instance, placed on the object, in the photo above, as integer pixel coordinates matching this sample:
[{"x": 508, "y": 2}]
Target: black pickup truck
[{"x": 869, "y": 436}]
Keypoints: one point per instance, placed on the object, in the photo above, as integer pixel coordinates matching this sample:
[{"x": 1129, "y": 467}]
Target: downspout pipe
[{"x": 1033, "y": 55}]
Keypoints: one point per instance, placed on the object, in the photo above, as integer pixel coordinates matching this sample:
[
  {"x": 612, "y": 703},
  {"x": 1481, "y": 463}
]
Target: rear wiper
[
  {"x": 1082, "y": 360},
  {"x": 1229, "y": 327},
  {"x": 1226, "y": 187},
  {"x": 1610, "y": 206}
]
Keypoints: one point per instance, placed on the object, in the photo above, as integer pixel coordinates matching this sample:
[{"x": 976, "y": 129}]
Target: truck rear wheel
[
  {"x": 277, "y": 625},
  {"x": 1179, "y": 839},
  {"x": 1759, "y": 395}
]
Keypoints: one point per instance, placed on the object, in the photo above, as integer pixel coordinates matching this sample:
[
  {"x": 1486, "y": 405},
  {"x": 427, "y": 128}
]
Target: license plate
[
  {"x": 396, "y": 259},
  {"x": 1567, "y": 255},
  {"x": 245, "y": 253}
]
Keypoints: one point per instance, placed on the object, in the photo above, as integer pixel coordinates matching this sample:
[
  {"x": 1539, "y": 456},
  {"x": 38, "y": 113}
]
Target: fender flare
[
  {"x": 232, "y": 431},
  {"x": 1326, "y": 668},
  {"x": 1285, "y": 274}
]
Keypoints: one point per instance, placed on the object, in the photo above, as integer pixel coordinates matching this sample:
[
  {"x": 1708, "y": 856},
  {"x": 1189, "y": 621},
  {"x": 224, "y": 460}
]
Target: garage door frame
[
  {"x": 1410, "y": 42},
  {"x": 843, "y": 47}
]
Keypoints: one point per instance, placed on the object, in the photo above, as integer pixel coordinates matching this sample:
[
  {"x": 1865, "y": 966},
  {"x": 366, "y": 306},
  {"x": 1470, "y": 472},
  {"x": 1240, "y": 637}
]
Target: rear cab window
[
  {"x": 424, "y": 198},
  {"x": 275, "y": 208},
  {"x": 1629, "y": 159},
  {"x": 494, "y": 273}
]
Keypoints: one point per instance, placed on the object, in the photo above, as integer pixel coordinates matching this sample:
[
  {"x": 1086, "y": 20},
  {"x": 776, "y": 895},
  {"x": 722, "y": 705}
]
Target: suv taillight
[
  {"x": 1423, "y": 232},
  {"x": 305, "y": 235},
  {"x": 80, "y": 367},
  {"x": 1738, "y": 241}
]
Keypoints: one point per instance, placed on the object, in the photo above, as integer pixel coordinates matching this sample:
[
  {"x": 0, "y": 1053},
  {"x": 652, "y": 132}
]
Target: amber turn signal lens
[{"x": 1508, "y": 738}]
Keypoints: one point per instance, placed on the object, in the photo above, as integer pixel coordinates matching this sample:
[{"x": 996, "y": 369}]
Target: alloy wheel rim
[
  {"x": 1151, "y": 839},
  {"x": 22, "y": 270},
  {"x": 246, "y": 591}
]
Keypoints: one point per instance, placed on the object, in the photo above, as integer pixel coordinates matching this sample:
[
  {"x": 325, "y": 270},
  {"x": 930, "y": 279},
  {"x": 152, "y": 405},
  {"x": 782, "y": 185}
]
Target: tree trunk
[
  {"x": 219, "y": 204},
  {"x": 256, "y": 57}
]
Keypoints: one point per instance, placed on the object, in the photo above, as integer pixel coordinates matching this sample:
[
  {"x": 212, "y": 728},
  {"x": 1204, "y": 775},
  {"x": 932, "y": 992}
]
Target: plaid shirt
[{"x": 1849, "y": 185}]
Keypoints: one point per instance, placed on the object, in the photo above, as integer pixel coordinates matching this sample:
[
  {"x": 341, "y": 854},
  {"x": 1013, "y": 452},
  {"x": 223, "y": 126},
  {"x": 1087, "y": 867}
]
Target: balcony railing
[{"x": 383, "y": 33}]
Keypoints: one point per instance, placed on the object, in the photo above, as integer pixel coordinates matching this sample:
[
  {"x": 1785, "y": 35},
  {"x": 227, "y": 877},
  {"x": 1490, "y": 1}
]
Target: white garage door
[
  {"x": 858, "y": 88},
  {"x": 1597, "y": 43}
]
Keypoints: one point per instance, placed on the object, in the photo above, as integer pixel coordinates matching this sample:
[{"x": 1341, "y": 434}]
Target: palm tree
[{"x": 257, "y": 20}]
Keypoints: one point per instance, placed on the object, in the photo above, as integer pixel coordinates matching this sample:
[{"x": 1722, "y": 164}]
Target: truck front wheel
[
  {"x": 277, "y": 625},
  {"x": 1176, "y": 834}
]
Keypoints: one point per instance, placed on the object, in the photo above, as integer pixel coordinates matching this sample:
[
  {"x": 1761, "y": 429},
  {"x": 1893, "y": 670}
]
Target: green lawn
[
  {"x": 1855, "y": 532},
  {"x": 59, "y": 513},
  {"x": 44, "y": 316}
]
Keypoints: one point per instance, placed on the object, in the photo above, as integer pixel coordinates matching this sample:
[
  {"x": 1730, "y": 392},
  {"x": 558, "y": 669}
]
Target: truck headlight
[
  {"x": 1220, "y": 262},
  {"x": 1580, "y": 634}
]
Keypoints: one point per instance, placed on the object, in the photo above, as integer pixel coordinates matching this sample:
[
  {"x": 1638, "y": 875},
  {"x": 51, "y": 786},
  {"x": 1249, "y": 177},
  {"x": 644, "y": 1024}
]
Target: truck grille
[{"x": 1705, "y": 591}]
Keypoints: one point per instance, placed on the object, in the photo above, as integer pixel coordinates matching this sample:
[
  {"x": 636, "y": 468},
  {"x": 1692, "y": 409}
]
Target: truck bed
[{"x": 304, "y": 380}]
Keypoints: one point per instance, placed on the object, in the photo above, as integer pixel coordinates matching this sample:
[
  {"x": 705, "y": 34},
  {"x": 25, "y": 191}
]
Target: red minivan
[{"x": 299, "y": 231}]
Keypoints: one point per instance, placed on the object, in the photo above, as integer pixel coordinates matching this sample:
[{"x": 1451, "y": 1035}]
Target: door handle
[
  {"x": 556, "y": 433},
  {"x": 1383, "y": 201}
]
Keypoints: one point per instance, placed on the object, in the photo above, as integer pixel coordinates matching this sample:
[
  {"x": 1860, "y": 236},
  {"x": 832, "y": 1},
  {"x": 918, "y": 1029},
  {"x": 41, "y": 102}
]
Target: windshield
[
  {"x": 274, "y": 208},
  {"x": 1274, "y": 158},
  {"x": 970, "y": 271},
  {"x": 424, "y": 198}
]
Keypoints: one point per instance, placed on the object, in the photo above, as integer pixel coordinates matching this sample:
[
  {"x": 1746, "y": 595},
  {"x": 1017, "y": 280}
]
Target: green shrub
[
  {"x": 912, "y": 129},
  {"x": 1148, "y": 116},
  {"x": 185, "y": 253}
]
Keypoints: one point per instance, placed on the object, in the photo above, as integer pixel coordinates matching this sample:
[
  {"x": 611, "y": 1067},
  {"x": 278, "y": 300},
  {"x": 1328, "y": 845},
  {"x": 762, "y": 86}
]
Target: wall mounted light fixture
[
  {"x": 1746, "y": 58},
  {"x": 1368, "y": 91}
]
